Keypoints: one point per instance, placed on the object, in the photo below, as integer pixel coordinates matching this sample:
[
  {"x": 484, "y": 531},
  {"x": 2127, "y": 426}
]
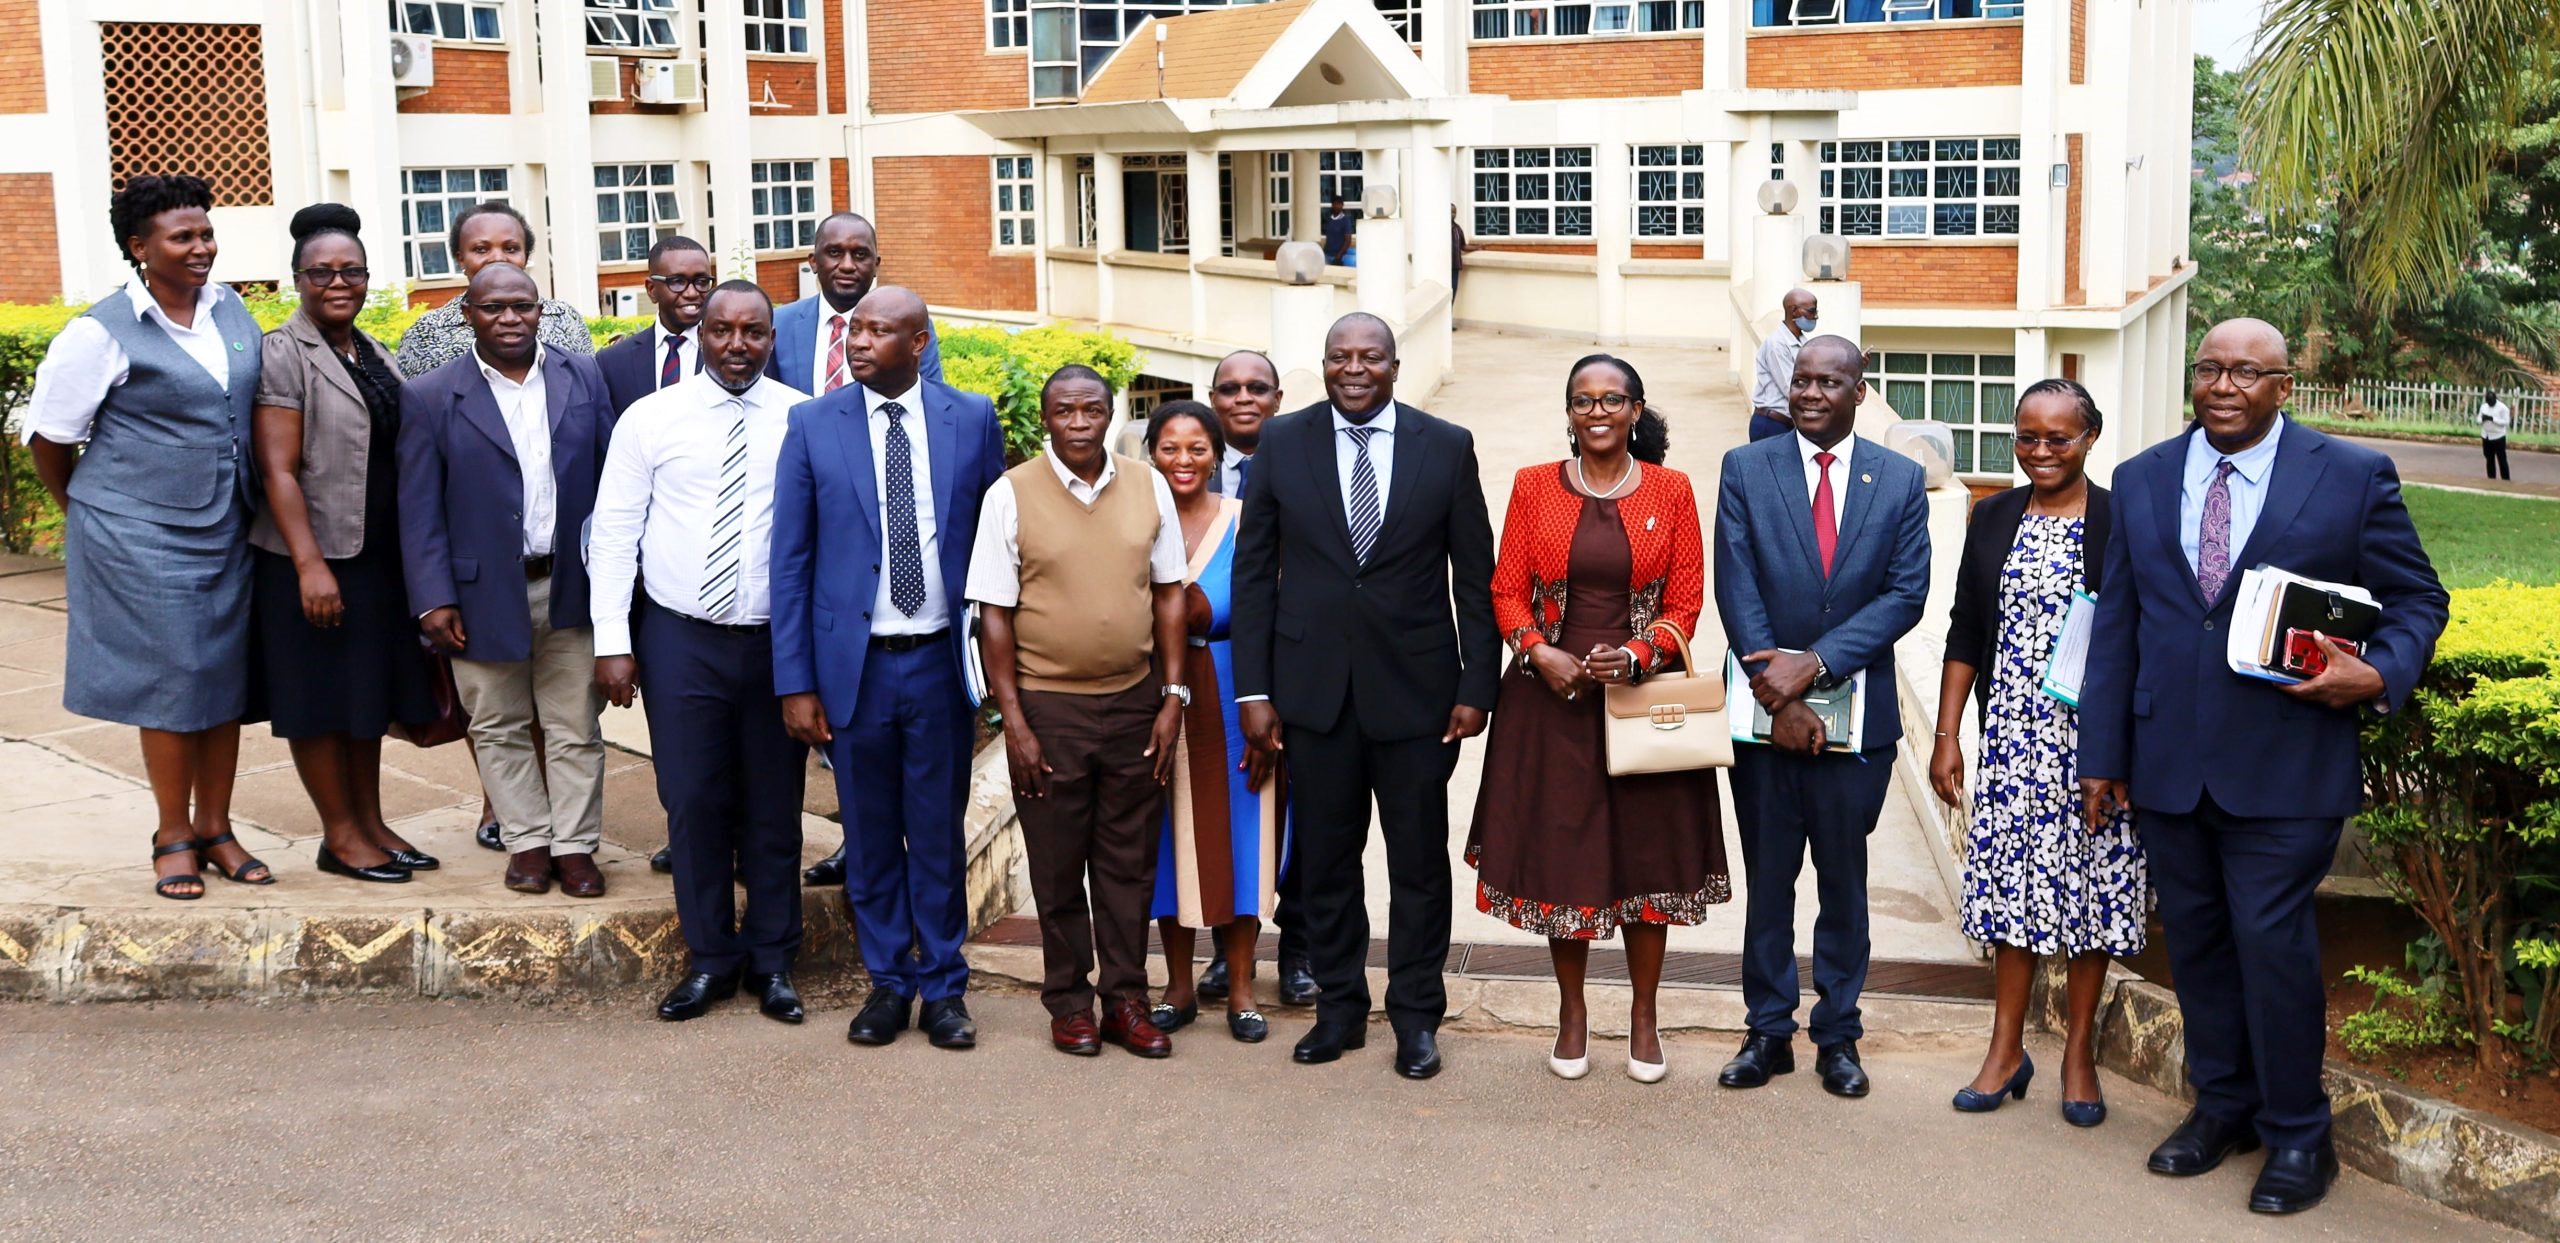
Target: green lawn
[{"x": 2475, "y": 538}]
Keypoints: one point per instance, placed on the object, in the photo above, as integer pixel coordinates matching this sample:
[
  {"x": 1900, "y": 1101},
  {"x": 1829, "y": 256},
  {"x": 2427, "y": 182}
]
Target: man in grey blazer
[{"x": 1822, "y": 562}]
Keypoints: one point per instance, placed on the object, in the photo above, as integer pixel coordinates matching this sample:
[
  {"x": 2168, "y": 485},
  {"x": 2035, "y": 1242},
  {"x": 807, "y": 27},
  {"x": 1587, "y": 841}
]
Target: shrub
[
  {"x": 2403, "y": 1015},
  {"x": 1009, "y": 367}
]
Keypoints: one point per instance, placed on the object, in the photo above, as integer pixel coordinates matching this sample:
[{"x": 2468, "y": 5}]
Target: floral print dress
[{"x": 2035, "y": 876}]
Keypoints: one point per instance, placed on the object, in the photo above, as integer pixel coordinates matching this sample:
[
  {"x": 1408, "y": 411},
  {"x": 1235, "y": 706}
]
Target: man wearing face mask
[
  {"x": 1776, "y": 365},
  {"x": 687, "y": 504}
]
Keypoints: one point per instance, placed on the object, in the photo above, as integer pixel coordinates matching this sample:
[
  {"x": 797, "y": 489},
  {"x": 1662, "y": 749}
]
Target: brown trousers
[{"x": 1098, "y": 825}]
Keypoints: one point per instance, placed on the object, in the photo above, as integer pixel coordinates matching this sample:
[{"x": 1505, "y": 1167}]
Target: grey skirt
[{"x": 159, "y": 620}]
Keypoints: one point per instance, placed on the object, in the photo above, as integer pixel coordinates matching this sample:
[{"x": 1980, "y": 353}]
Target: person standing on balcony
[
  {"x": 1340, "y": 227},
  {"x": 2494, "y": 421},
  {"x": 2241, "y": 785},
  {"x": 1775, "y": 366}
]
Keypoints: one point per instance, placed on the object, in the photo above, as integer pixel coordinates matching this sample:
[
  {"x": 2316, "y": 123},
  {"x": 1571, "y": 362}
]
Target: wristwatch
[
  {"x": 1821, "y": 672},
  {"x": 1179, "y": 690}
]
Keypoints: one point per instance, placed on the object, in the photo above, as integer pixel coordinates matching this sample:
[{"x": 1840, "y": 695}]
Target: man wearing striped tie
[{"x": 686, "y": 506}]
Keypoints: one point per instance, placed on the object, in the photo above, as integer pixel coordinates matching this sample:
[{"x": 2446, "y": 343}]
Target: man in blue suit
[
  {"x": 811, "y": 337},
  {"x": 875, "y": 510},
  {"x": 500, "y": 452},
  {"x": 670, "y": 349},
  {"x": 1822, "y": 562},
  {"x": 2240, "y": 786}
]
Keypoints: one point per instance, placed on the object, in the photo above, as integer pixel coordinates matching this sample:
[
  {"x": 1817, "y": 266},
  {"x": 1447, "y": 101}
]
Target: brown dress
[{"x": 1560, "y": 847}]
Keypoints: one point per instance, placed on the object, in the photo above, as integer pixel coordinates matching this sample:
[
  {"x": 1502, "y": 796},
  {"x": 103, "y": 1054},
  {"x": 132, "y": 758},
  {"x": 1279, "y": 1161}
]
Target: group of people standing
[{"x": 1212, "y": 666}]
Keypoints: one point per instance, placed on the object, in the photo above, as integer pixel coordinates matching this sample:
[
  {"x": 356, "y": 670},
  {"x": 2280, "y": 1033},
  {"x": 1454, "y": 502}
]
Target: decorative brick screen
[{"x": 189, "y": 97}]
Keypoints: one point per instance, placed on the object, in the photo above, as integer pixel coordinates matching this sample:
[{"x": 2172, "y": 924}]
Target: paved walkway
[{"x": 2457, "y": 464}]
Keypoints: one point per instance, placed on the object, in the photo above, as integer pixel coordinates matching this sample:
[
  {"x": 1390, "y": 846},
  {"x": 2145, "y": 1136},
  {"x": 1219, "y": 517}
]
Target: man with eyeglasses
[
  {"x": 500, "y": 453},
  {"x": 2241, "y": 786}
]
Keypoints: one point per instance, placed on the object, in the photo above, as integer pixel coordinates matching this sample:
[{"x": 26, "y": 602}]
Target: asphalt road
[
  {"x": 480, "y": 1120},
  {"x": 2458, "y": 464}
]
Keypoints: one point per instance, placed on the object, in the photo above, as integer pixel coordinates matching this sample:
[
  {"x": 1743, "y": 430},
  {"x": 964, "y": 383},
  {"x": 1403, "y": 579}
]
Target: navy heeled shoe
[
  {"x": 1972, "y": 1102},
  {"x": 2084, "y": 1113}
]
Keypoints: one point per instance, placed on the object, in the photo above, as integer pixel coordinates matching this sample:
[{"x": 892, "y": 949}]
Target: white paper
[{"x": 2070, "y": 659}]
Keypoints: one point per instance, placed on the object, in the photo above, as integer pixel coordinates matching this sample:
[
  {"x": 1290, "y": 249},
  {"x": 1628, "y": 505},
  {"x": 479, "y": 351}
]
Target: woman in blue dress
[
  {"x": 1225, "y": 838},
  {"x": 157, "y": 381}
]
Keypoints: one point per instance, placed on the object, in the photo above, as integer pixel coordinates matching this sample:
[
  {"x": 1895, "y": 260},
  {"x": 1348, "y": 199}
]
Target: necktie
[
  {"x": 674, "y": 370},
  {"x": 835, "y": 357},
  {"x": 1244, "y": 474},
  {"x": 898, "y": 497},
  {"x": 1826, "y": 530},
  {"x": 1362, "y": 508},
  {"x": 723, "y": 566},
  {"x": 2213, "y": 534}
]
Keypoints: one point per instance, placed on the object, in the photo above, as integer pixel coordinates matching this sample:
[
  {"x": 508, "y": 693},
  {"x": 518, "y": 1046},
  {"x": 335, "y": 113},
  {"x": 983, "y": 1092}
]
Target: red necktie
[
  {"x": 1826, "y": 535},
  {"x": 673, "y": 371},
  {"x": 835, "y": 356}
]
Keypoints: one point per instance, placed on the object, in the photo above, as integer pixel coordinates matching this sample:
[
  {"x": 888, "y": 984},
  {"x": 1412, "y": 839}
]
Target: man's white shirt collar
[{"x": 1384, "y": 420}]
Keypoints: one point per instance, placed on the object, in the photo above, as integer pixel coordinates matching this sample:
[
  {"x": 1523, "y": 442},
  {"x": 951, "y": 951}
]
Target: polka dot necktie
[{"x": 906, "y": 551}]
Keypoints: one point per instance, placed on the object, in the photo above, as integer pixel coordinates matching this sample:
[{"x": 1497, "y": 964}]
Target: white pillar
[
  {"x": 1445, "y": 27},
  {"x": 1613, "y": 228},
  {"x": 1427, "y": 184},
  {"x": 1200, "y": 197},
  {"x": 724, "y": 60},
  {"x": 1380, "y": 278},
  {"x": 1844, "y": 309},
  {"x": 372, "y": 129},
  {"x": 2041, "y": 207},
  {"x": 1109, "y": 231},
  {"x": 2103, "y": 215},
  {"x": 1306, "y": 214},
  {"x": 568, "y": 155},
  {"x": 1300, "y": 316}
]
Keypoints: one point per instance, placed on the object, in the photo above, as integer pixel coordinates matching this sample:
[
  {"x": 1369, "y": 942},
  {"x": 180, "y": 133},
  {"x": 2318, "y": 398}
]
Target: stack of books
[{"x": 2279, "y": 617}]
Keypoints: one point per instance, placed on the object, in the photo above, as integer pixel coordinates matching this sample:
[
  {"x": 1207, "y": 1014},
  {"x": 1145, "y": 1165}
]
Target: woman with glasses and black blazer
[{"x": 2037, "y": 880}]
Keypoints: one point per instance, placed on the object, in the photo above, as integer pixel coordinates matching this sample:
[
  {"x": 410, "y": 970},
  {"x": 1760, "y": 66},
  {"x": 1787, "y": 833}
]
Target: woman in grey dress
[{"x": 157, "y": 380}]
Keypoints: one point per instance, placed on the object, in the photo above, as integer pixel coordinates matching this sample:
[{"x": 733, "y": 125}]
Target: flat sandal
[{"x": 204, "y": 848}]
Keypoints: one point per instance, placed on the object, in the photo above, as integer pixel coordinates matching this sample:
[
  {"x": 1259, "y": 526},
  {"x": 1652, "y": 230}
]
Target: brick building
[{"x": 2009, "y": 175}]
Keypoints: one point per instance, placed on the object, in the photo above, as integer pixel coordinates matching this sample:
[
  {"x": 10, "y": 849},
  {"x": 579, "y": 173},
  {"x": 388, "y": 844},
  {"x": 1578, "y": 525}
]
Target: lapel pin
[
  {"x": 236, "y": 347},
  {"x": 1866, "y": 479}
]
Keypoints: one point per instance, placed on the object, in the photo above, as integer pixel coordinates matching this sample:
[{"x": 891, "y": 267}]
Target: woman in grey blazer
[{"x": 156, "y": 380}]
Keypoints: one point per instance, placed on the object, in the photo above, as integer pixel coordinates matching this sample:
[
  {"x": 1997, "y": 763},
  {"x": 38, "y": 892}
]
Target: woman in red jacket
[{"x": 1601, "y": 553}]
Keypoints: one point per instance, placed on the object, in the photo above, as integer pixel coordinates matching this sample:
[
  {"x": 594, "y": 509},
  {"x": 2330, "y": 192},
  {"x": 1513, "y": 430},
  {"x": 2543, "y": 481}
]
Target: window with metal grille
[
  {"x": 429, "y": 200},
  {"x": 1921, "y": 187},
  {"x": 1340, "y": 172},
  {"x": 783, "y": 198},
  {"x": 1088, "y": 220},
  {"x": 1017, "y": 219},
  {"x": 1862, "y": 12},
  {"x": 649, "y": 24},
  {"x": 1671, "y": 191},
  {"x": 636, "y": 204},
  {"x": 189, "y": 97},
  {"x": 1539, "y": 19},
  {"x": 1405, "y": 16},
  {"x": 1276, "y": 183},
  {"x": 1008, "y": 23},
  {"x": 1533, "y": 192},
  {"x": 1975, "y": 395},
  {"x": 778, "y": 27},
  {"x": 457, "y": 20}
]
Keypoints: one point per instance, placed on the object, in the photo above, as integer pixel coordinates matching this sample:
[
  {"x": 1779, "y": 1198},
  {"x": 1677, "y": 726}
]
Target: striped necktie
[
  {"x": 725, "y": 563},
  {"x": 835, "y": 377},
  {"x": 674, "y": 370},
  {"x": 1362, "y": 507}
]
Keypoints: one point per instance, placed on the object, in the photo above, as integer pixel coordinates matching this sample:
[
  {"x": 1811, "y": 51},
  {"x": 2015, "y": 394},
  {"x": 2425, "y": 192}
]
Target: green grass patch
[
  {"x": 2427, "y": 431},
  {"x": 2476, "y": 539}
]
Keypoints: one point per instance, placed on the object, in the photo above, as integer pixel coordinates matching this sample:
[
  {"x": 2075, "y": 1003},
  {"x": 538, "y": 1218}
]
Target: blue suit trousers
[
  {"x": 1791, "y": 806},
  {"x": 902, "y": 778}
]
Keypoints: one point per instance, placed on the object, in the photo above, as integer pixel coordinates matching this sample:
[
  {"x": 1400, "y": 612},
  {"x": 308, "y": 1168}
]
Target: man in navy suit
[
  {"x": 500, "y": 452},
  {"x": 670, "y": 349},
  {"x": 1822, "y": 562},
  {"x": 2241, "y": 786},
  {"x": 875, "y": 509}
]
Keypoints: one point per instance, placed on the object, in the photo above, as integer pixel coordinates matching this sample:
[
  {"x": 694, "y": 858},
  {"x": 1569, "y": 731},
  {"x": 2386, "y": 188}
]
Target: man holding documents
[
  {"x": 2240, "y": 784},
  {"x": 1822, "y": 562}
]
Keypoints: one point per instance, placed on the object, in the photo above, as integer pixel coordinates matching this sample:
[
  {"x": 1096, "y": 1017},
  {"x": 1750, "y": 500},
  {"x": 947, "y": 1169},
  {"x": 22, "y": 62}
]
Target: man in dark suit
[
  {"x": 1372, "y": 514},
  {"x": 1822, "y": 563},
  {"x": 875, "y": 508},
  {"x": 2240, "y": 786},
  {"x": 500, "y": 451}
]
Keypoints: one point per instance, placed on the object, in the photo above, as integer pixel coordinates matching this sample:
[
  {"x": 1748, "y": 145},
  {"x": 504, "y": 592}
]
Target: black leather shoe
[
  {"x": 1328, "y": 1040},
  {"x": 490, "y": 838},
  {"x": 827, "y": 873},
  {"x": 1171, "y": 1019},
  {"x": 663, "y": 862},
  {"x": 1248, "y": 1026},
  {"x": 1417, "y": 1054},
  {"x": 883, "y": 1016},
  {"x": 391, "y": 873},
  {"x": 692, "y": 998},
  {"x": 1761, "y": 1057},
  {"x": 947, "y": 1024},
  {"x": 1297, "y": 984},
  {"x": 415, "y": 860},
  {"x": 2294, "y": 1178},
  {"x": 1840, "y": 1071},
  {"x": 779, "y": 1000},
  {"x": 1213, "y": 982},
  {"x": 2200, "y": 1143}
]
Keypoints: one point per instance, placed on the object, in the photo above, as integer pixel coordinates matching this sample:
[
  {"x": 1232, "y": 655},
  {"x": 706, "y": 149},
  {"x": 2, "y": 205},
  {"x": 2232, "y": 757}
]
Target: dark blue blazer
[
  {"x": 462, "y": 499},
  {"x": 795, "y": 344},
  {"x": 827, "y": 542},
  {"x": 1770, "y": 589},
  {"x": 2160, "y": 706},
  {"x": 630, "y": 367}
]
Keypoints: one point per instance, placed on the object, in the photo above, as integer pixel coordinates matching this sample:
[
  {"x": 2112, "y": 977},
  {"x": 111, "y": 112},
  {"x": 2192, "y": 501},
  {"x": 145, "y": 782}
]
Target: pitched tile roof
[{"x": 1206, "y": 55}]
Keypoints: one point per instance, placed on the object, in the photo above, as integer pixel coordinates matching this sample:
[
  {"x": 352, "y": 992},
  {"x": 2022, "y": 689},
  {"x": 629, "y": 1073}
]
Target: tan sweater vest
[{"x": 1086, "y": 623}]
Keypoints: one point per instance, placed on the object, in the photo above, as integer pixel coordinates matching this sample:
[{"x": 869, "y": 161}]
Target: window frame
[
  {"x": 1987, "y": 382},
  {"x": 1008, "y": 25},
  {"x": 1279, "y": 194},
  {"x": 802, "y": 28},
  {"x": 1510, "y": 170},
  {"x": 1688, "y": 162},
  {"x": 402, "y": 10},
  {"x": 413, "y": 237},
  {"x": 1833, "y": 13},
  {"x": 1024, "y": 213},
  {"x": 1938, "y": 170},
  {"x": 654, "y": 191},
  {"x": 1509, "y": 20},
  {"x": 801, "y": 223},
  {"x": 635, "y": 23}
]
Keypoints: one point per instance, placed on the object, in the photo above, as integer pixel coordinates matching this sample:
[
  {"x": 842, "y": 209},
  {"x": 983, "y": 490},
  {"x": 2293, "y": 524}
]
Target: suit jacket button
[
  {"x": 875, "y": 569},
  {"x": 2208, "y": 625}
]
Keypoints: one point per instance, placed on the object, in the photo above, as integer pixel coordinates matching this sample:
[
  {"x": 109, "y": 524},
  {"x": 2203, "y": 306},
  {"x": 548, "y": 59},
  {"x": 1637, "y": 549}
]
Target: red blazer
[{"x": 1669, "y": 583}]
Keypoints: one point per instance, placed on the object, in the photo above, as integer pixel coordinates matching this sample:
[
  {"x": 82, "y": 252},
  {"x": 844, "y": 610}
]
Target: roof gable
[{"x": 1280, "y": 54}]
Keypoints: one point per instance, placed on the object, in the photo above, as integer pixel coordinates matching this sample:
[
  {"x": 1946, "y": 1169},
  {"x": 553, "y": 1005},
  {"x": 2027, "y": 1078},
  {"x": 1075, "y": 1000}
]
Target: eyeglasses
[
  {"x": 1612, "y": 403},
  {"x": 2055, "y": 443},
  {"x": 679, "y": 283},
  {"x": 508, "y": 310},
  {"x": 325, "y": 277},
  {"x": 1255, "y": 387},
  {"x": 2244, "y": 376}
]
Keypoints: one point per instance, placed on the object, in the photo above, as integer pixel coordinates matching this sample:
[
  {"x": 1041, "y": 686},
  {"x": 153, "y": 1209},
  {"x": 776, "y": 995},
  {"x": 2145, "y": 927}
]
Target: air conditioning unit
[
  {"x": 604, "y": 79},
  {"x": 669, "y": 82},
  {"x": 413, "y": 60},
  {"x": 808, "y": 280},
  {"x": 626, "y": 302}
]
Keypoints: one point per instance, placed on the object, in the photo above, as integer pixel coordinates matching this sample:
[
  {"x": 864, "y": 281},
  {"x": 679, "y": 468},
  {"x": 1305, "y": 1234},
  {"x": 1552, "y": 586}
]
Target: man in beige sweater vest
[{"x": 1078, "y": 567}]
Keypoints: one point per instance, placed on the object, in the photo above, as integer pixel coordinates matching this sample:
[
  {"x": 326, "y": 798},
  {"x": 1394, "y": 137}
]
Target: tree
[{"x": 2217, "y": 116}]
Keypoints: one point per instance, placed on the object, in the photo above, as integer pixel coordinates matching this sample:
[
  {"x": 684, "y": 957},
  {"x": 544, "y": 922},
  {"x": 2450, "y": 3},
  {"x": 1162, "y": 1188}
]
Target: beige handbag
[{"x": 1670, "y": 723}]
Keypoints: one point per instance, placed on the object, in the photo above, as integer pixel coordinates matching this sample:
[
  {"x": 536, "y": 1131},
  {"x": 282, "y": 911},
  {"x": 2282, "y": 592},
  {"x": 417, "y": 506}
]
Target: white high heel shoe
[
  {"x": 1571, "y": 1067},
  {"x": 1647, "y": 1072}
]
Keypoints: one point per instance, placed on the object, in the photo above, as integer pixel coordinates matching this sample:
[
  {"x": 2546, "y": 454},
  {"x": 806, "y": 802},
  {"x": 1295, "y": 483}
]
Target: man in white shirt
[
  {"x": 670, "y": 349},
  {"x": 813, "y": 337},
  {"x": 1244, "y": 392},
  {"x": 1775, "y": 367},
  {"x": 686, "y": 506},
  {"x": 2494, "y": 421}
]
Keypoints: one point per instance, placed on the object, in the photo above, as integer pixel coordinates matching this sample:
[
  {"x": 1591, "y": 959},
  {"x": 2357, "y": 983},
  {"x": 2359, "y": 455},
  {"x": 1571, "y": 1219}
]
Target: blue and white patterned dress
[{"x": 2035, "y": 876}]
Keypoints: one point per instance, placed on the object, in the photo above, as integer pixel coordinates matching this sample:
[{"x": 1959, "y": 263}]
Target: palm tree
[{"x": 2394, "y": 113}]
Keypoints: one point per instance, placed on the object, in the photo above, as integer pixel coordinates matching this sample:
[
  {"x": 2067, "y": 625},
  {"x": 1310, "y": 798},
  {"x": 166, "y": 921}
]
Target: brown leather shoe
[
  {"x": 529, "y": 871},
  {"x": 1074, "y": 1033},
  {"x": 1126, "y": 1025},
  {"x": 579, "y": 875}
]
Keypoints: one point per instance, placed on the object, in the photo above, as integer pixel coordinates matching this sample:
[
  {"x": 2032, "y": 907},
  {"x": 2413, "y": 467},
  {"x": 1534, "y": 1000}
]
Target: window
[
  {"x": 1533, "y": 192},
  {"x": 1276, "y": 186},
  {"x": 1777, "y": 161},
  {"x": 429, "y": 200},
  {"x": 1016, "y": 221},
  {"x": 1848, "y": 12},
  {"x": 445, "y": 19},
  {"x": 1405, "y": 16},
  {"x": 1339, "y": 172},
  {"x": 1538, "y": 19},
  {"x": 631, "y": 23},
  {"x": 778, "y": 26},
  {"x": 1921, "y": 187},
  {"x": 1671, "y": 192},
  {"x": 1009, "y": 23},
  {"x": 636, "y": 204},
  {"x": 1976, "y": 395},
  {"x": 1172, "y": 200},
  {"x": 1088, "y": 218},
  {"x": 784, "y": 201}
]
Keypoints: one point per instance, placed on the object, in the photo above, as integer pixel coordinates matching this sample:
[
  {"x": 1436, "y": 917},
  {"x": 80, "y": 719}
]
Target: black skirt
[{"x": 356, "y": 678}]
